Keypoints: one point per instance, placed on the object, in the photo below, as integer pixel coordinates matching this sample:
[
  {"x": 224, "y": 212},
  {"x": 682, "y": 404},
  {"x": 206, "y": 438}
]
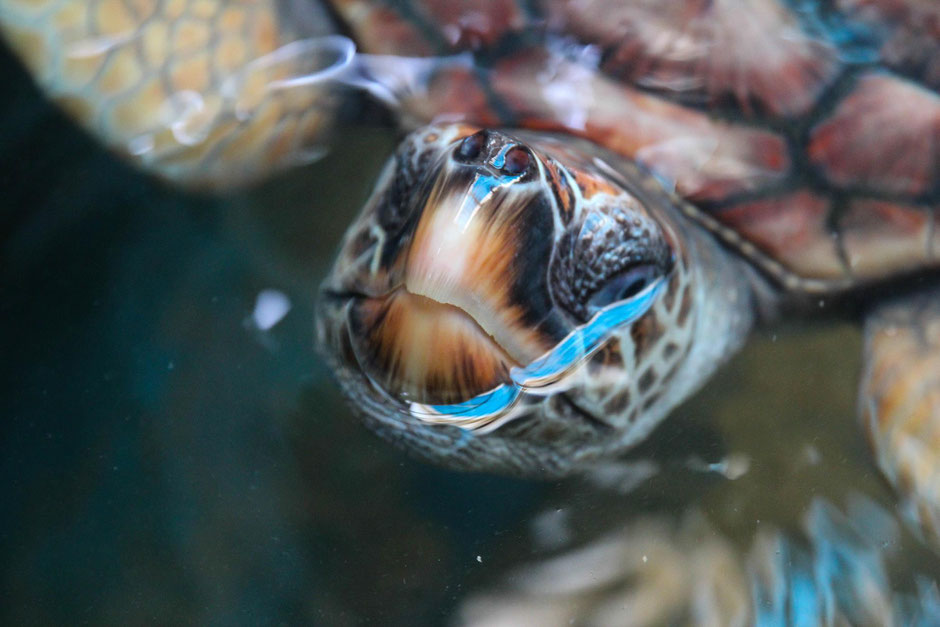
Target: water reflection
[
  {"x": 659, "y": 570},
  {"x": 649, "y": 573}
]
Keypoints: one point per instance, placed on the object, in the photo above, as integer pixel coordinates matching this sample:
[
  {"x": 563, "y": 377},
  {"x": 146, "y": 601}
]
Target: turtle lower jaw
[{"x": 416, "y": 349}]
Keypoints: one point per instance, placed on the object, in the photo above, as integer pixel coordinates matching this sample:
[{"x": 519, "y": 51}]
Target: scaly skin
[
  {"x": 900, "y": 401},
  {"x": 173, "y": 84}
]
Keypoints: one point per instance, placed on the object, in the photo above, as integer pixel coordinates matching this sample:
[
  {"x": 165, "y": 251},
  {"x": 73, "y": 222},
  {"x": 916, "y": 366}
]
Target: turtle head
[{"x": 507, "y": 301}]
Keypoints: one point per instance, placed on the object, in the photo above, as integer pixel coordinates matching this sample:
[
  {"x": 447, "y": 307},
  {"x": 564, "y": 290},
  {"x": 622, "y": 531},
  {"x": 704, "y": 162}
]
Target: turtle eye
[
  {"x": 623, "y": 286},
  {"x": 516, "y": 161},
  {"x": 471, "y": 146}
]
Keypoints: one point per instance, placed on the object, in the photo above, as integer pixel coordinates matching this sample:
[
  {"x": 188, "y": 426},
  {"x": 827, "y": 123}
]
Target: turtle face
[{"x": 500, "y": 299}]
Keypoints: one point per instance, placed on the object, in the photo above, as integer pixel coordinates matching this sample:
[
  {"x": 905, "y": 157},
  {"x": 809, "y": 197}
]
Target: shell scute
[
  {"x": 883, "y": 136},
  {"x": 455, "y": 94},
  {"x": 382, "y": 29},
  {"x": 703, "y": 157},
  {"x": 473, "y": 24},
  {"x": 754, "y": 54},
  {"x": 908, "y": 33},
  {"x": 882, "y": 237},
  {"x": 792, "y": 228}
]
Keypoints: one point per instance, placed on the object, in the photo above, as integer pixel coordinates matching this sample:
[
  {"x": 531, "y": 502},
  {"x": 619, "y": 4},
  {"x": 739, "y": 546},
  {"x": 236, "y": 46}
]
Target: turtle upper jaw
[
  {"x": 451, "y": 327},
  {"x": 463, "y": 300},
  {"x": 473, "y": 264},
  {"x": 421, "y": 350}
]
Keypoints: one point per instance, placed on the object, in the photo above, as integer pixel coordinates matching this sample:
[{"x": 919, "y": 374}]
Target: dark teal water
[{"x": 165, "y": 461}]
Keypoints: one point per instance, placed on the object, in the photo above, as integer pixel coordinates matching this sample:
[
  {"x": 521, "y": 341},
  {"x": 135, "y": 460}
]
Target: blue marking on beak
[{"x": 493, "y": 408}]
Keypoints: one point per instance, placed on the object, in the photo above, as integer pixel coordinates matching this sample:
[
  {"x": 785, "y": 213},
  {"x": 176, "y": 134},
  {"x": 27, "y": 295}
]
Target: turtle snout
[
  {"x": 444, "y": 299},
  {"x": 496, "y": 155}
]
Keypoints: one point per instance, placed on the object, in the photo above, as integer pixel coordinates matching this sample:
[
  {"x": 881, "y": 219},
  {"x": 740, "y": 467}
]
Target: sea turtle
[{"x": 596, "y": 202}]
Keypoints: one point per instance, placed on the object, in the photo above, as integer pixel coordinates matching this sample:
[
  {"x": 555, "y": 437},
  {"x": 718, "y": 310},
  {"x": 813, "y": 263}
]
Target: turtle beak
[
  {"x": 467, "y": 251},
  {"x": 421, "y": 350},
  {"x": 471, "y": 299}
]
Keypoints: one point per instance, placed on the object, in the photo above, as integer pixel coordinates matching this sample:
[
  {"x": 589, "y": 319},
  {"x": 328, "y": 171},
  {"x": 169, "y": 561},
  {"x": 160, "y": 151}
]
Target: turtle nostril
[
  {"x": 516, "y": 161},
  {"x": 471, "y": 146}
]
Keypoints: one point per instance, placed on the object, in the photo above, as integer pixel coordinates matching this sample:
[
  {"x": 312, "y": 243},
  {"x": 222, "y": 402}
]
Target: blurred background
[{"x": 173, "y": 449}]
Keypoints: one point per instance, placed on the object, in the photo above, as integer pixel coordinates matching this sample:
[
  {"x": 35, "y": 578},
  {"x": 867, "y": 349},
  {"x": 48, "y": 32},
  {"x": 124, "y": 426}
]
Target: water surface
[{"x": 166, "y": 459}]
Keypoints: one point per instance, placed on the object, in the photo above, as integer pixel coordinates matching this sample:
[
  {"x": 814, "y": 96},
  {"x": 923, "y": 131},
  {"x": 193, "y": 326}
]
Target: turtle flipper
[
  {"x": 900, "y": 401},
  {"x": 187, "y": 90}
]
